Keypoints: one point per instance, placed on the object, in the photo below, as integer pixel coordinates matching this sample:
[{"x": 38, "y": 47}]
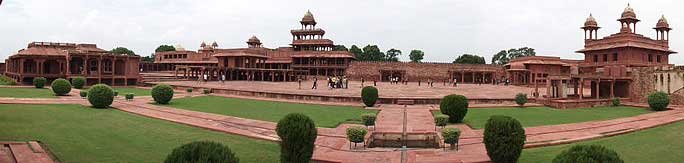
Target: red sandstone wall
[
  {"x": 642, "y": 84},
  {"x": 414, "y": 71},
  {"x": 2, "y": 68}
]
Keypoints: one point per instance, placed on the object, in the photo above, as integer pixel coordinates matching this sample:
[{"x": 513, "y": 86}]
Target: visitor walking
[
  {"x": 299, "y": 82},
  {"x": 315, "y": 83},
  {"x": 223, "y": 78},
  {"x": 455, "y": 85},
  {"x": 362, "y": 82},
  {"x": 346, "y": 83}
]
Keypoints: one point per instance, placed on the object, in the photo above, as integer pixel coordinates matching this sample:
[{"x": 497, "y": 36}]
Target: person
[
  {"x": 205, "y": 78},
  {"x": 375, "y": 83},
  {"x": 329, "y": 82},
  {"x": 315, "y": 83},
  {"x": 455, "y": 85},
  {"x": 429, "y": 82},
  {"x": 299, "y": 82},
  {"x": 346, "y": 83},
  {"x": 418, "y": 82},
  {"x": 362, "y": 81},
  {"x": 223, "y": 78}
]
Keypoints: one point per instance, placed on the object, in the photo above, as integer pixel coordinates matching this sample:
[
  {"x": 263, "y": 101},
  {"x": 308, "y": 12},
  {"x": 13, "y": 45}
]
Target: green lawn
[
  {"x": 539, "y": 116},
  {"x": 77, "y": 133},
  {"x": 661, "y": 144},
  {"x": 137, "y": 91},
  {"x": 27, "y": 93},
  {"x": 323, "y": 115}
]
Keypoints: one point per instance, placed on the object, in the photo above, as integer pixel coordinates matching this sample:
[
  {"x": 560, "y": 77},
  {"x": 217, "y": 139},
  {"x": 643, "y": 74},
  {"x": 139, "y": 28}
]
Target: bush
[
  {"x": 356, "y": 134},
  {"x": 189, "y": 90},
  {"x": 202, "y": 151},
  {"x": 368, "y": 119},
  {"x": 441, "y": 120},
  {"x": 116, "y": 93},
  {"x": 369, "y": 95},
  {"x": 451, "y": 136},
  {"x": 4, "y": 80},
  {"x": 616, "y": 102},
  {"x": 84, "y": 94},
  {"x": 588, "y": 153},
  {"x": 61, "y": 87},
  {"x": 297, "y": 134},
  {"x": 130, "y": 96},
  {"x": 100, "y": 96},
  {"x": 521, "y": 99},
  {"x": 455, "y": 106},
  {"x": 162, "y": 93},
  {"x": 504, "y": 138},
  {"x": 658, "y": 101},
  {"x": 78, "y": 82},
  {"x": 39, "y": 82},
  {"x": 206, "y": 91}
]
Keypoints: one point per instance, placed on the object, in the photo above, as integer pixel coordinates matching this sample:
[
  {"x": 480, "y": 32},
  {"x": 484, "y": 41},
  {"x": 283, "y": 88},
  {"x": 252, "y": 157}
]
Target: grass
[
  {"x": 137, "y": 91},
  {"x": 323, "y": 115},
  {"x": 661, "y": 144},
  {"x": 77, "y": 133},
  {"x": 539, "y": 116},
  {"x": 27, "y": 93}
]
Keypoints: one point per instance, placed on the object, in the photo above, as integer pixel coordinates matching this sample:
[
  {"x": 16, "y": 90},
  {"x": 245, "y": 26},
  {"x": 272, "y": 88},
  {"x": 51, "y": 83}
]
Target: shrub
[
  {"x": 297, "y": 133},
  {"x": 130, "y": 96},
  {"x": 84, "y": 94},
  {"x": 356, "y": 134},
  {"x": 39, "y": 82},
  {"x": 441, "y": 120},
  {"x": 4, "y": 80},
  {"x": 162, "y": 93},
  {"x": 206, "y": 91},
  {"x": 588, "y": 153},
  {"x": 202, "y": 151},
  {"x": 616, "y": 102},
  {"x": 455, "y": 106},
  {"x": 451, "y": 136},
  {"x": 61, "y": 87},
  {"x": 658, "y": 101},
  {"x": 368, "y": 119},
  {"x": 78, "y": 82},
  {"x": 369, "y": 95},
  {"x": 521, "y": 99},
  {"x": 189, "y": 90},
  {"x": 100, "y": 95},
  {"x": 504, "y": 138}
]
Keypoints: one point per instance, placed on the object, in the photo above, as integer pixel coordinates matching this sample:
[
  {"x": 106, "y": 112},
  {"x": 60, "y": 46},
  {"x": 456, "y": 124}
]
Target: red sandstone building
[
  {"x": 68, "y": 60},
  {"x": 309, "y": 55}
]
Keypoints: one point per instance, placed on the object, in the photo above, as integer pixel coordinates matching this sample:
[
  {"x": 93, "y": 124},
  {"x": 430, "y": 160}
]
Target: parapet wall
[
  {"x": 370, "y": 70},
  {"x": 648, "y": 80}
]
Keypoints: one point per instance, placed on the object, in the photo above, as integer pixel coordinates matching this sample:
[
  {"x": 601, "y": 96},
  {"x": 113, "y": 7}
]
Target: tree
[
  {"x": 356, "y": 51},
  {"x": 165, "y": 48},
  {"x": 340, "y": 48},
  {"x": 416, "y": 55},
  {"x": 372, "y": 53},
  {"x": 469, "y": 59},
  {"x": 149, "y": 58},
  {"x": 503, "y": 57},
  {"x": 122, "y": 50},
  {"x": 392, "y": 54}
]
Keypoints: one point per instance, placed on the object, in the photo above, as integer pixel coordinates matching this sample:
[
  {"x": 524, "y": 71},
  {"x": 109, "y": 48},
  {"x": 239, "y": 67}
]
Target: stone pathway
[
  {"x": 23, "y": 152},
  {"x": 332, "y": 146}
]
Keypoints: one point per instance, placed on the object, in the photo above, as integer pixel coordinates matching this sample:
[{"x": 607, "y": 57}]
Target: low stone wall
[
  {"x": 415, "y": 71},
  {"x": 573, "y": 104}
]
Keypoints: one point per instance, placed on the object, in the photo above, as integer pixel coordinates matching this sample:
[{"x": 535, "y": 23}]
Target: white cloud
[{"x": 444, "y": 29}]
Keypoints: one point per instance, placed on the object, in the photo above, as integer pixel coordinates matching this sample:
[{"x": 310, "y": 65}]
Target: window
[
  {"x": 615, "y": 57},
  {"x": 650, "y": 57},
  {"x": 605, "y": 57},
  {"x": 658, "y": 58},
  {"x": 595, "y": 58}
]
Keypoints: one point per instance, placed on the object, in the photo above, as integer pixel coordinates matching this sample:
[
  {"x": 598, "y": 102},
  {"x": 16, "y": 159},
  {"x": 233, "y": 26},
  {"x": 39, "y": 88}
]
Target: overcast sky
[{"x": 443, "y": 29}]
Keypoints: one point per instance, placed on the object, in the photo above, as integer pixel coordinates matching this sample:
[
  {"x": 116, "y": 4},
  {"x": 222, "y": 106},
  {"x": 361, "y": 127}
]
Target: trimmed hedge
[
  {"x": 588, "y": 153},
  {"x": 455, "y": 106},
  {"x": 368, "y": 119},
  {"x": 83, "y": 94},
  {"x": 130, "y": 96},
  {"x": 441, "y": 120},
  {"x": 189, "y": 90},
  {"x": 162, "y": 93},
  {"x": 206, "y": 91},
  {"x": 616, "y": 102},
  {"x": 369, "y": 95},
  {"x": 61, "y": 87},
  {"x": 202, "y": 151},
  {"x": 356, "y": 134},
  {"x": 39, "y": 82},
  {"x": 116, "y": 93},
  {"x": 504, "y": 138},
  {"x": 451, "y": 136},
  {"x": 658, "y": 101},
  {"x": 78, "y": 82},
  {"x": 297, "y": 133},
  {"x": 100, "y": 95},
  {"x": 521, "y": 99}
]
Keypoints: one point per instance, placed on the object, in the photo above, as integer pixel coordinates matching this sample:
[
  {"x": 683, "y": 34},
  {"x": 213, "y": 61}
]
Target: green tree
[
  {"x": 503, "y": 56},
  {"x": 469, "y": 59},
  {"x": 392, "y": 54},
  {"x": 358, "y": 53},
  {"x": 340, "y": 48},
  {"x": 165, "y": 48},
  {"x": 122, "y": 50},
  {"x": 416, "y": 55},
  {"x": 372, "y": 53},
  {"x": 149, "y": 58}
]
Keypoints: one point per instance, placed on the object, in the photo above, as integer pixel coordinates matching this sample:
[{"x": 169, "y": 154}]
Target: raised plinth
[{"x": 398, "y": 127}]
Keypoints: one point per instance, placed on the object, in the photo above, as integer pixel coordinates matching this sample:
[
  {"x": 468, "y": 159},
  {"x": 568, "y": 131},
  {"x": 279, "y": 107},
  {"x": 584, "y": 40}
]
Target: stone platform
[{"x": 23, "y": 152}]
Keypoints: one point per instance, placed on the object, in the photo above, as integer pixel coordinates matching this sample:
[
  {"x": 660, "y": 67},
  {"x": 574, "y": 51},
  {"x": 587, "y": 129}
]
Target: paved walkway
[
  {"x": 23, "y": 152},
  {"x": 331, "y": 144}
]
